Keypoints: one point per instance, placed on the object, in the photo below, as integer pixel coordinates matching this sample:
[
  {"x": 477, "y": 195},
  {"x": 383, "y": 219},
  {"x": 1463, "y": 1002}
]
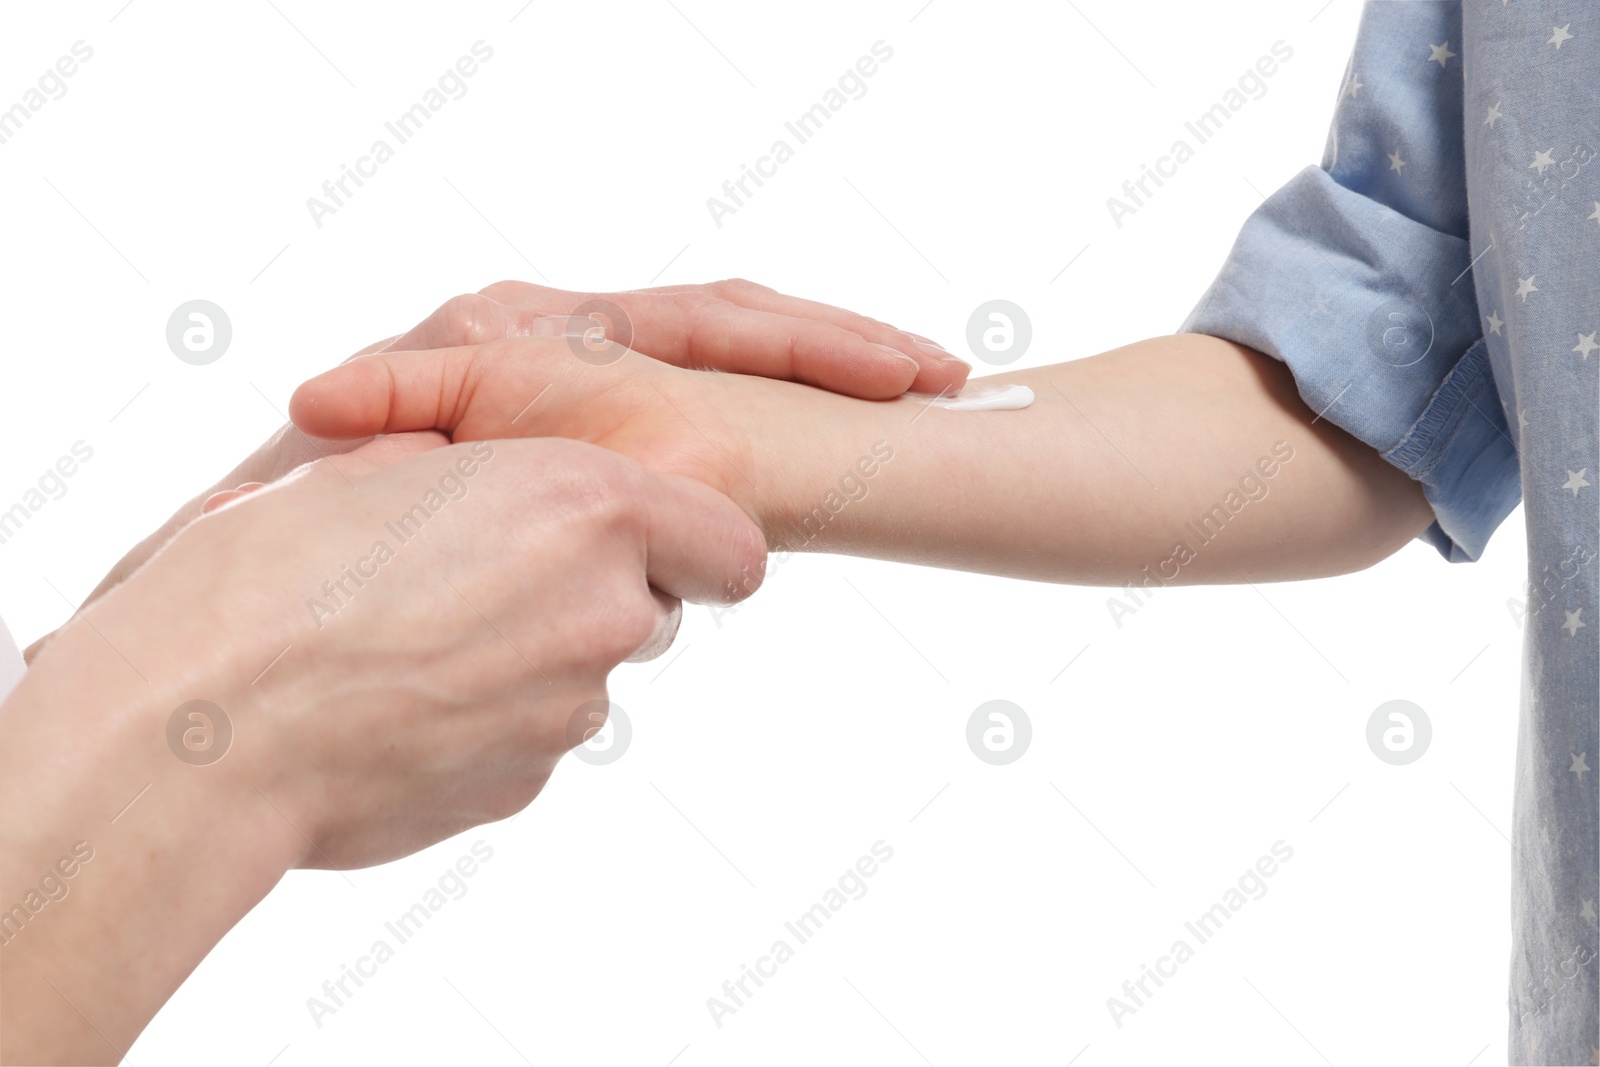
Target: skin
[
  {"x": 733, "y": 325},
  {"x": 1093, "y": 483},
  {"x": 403, "y": 718},
  {"x": 435, "y": 699}
]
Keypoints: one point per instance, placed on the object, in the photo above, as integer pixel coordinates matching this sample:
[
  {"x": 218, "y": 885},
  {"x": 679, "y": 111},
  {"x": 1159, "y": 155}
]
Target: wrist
[
  {"x": 817, "y": 458},
  {"x": 168, "y": 854}
]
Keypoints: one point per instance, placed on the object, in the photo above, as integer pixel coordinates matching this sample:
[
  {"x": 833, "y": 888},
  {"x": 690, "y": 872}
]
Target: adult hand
[
  {"x": 402, "y": 642},
  {"x": 467, "y": 599},
  {"x": 735, "y": 326}
]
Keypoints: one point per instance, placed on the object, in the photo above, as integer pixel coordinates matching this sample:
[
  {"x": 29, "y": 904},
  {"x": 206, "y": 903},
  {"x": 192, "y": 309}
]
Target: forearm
[
  {"x": 1186, "y": 455},
  {"x": 163, "y": 859}
]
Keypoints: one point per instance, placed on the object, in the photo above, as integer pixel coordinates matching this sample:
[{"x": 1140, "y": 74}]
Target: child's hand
[
  {"x": 735, "y": 326},
  {"x": 702, "y": 425}
]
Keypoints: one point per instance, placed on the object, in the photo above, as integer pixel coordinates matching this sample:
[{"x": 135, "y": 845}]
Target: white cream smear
[{"x": 980, "y": 397}]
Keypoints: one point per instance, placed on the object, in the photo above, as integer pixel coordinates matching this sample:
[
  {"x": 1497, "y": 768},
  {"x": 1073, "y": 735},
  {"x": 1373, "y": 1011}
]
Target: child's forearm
[{"x": 1187, "y": 455}]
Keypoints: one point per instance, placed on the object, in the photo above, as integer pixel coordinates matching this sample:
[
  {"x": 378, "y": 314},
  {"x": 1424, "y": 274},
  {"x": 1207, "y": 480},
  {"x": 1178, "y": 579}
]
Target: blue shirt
[{"x": 1434, "y": 286}]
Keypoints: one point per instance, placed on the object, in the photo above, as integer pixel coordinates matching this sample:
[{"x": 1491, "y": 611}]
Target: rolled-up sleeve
[{"x": 1357, "y": 275}]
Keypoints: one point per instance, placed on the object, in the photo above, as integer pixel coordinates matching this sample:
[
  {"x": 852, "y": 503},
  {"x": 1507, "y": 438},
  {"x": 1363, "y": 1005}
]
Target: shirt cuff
[{"x": 1374, "y": 314}]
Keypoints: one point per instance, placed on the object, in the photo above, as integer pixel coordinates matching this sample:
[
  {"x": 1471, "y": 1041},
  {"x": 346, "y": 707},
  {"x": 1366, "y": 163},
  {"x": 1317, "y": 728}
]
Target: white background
[{"x": 772, "y": 750}]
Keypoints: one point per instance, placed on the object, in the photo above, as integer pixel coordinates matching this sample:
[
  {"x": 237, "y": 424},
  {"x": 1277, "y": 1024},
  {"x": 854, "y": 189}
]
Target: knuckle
[
  {"x": 597, "y": 488},
  {"x": 507, "y": 291},
  {"x": 732, "y": 287},
  {"x": 468, "y": 319},
  {"x": 691, "y": 299}
]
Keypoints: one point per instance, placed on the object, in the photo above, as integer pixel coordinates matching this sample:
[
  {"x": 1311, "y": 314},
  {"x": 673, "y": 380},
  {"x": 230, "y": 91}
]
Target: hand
[
  {"x": 735, "y": 326},
  {"x": 404, "y": 641},
  {"x": 281, "y": 453},
  {"x": 468, "y": 650},
  {"x": 703, "y": 426}
]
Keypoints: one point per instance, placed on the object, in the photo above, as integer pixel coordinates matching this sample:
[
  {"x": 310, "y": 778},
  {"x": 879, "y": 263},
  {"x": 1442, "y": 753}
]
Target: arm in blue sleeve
[{"x": 1357, "y": 275}]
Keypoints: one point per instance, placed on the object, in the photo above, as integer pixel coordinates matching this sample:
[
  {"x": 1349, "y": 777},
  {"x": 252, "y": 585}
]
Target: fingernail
[
  {"x": 958, "y": 362},
  {"x": 936, "y": 349},
  {"x": 901, "y": 356}
]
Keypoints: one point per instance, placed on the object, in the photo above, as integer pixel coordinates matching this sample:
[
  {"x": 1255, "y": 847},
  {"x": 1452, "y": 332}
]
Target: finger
[
  {"x": 469, "y": 319},
  {"x": 386, "y": 392},
  {"x": 700, "y": 547},
  {"x": 472, "y": 319},
  {"x": 726, "y": 337},
  {"x": 746, "y": 328},
  {"x": 940, "y": 369}
]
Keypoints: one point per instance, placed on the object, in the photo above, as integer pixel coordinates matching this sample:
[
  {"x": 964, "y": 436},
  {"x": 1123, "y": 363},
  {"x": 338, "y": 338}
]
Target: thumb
[{"x": 386, "y": 392}]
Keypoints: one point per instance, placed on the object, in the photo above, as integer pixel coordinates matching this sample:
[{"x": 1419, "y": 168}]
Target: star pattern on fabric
[{"x": 1540, "y": 229}]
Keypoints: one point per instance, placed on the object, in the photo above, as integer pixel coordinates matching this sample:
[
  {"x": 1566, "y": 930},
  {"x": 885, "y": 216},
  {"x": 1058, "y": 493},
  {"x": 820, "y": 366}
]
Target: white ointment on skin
[{"x": 980, "y": 397}]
